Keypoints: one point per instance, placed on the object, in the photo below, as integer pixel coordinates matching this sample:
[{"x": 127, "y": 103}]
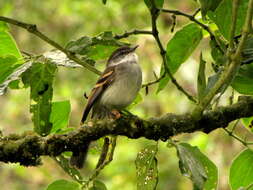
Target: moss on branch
[{"x": 27, "y": 148}]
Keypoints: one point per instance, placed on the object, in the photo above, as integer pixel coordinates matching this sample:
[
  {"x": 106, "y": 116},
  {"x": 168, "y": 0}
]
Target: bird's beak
[{"x": 135, "y": 47}]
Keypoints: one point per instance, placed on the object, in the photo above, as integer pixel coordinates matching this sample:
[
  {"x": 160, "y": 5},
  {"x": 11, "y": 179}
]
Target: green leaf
[
  {"x": 222, "y": 17},
  {"x": 197, "y": 167},
  {"x": 95, "y": 48},
  {"x": 241, "y": 174},
  {"x": 243, "y": 81},
  {"x": 217, "y": 55},
  {"x": 201, "y": 78},
  {"x": 8, "y": 45},
  {"x": 180, "y": 47},
  {"x": 146, "y": 168},
  {"x": 59, "y": 116},
  {"x": 10, "y": 56},
  {"x": 104, "y": 1},
  {"x": 7, "y": 65},
  {"x": 248, "y": 123},
  {"x": 64, "y": 185},
  {"x": 207, "y": 5},
  {"x": 158, "y": 3},
  {"x": 98, "y": 185},
  {"x": 247, "y": 52},
  {"x": 40, "y": 79}
]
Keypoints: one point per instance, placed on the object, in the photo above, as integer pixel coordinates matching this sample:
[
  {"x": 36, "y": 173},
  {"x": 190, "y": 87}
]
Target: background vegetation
[{"x": 66, "y": 20}]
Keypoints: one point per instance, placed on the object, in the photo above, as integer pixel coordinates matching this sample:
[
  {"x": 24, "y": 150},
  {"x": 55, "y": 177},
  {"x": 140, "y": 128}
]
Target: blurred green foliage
[{"x": 66, "y": 20}]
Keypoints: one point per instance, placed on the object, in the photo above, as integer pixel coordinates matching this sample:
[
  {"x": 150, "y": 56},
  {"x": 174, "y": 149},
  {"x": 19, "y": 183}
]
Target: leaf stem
[
  {"x": 155, "y": 81},
  {"x": 133, "y": 32}
]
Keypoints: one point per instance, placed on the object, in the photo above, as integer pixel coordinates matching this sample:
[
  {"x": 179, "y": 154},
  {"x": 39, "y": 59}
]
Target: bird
[{"x": 115, "y": 89}]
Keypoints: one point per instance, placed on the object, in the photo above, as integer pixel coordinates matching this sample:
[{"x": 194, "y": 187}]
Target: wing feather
[{"x": 103, "y": 82}]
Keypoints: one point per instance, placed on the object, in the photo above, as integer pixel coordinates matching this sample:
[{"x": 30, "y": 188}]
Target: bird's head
[{"x": 123, "y": 54}]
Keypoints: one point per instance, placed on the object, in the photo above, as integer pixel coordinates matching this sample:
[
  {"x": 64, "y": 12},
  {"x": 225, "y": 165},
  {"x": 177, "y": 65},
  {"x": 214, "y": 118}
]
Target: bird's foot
[{"x": 115, "y": 114}]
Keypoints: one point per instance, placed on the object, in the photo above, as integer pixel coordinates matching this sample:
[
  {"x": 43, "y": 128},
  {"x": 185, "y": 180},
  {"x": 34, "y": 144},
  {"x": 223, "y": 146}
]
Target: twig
[
  {"x": 154, "y": 15},
  {"x": 193, "y": 19},
  {"x": 231, "y": 69},
  {"x": 249, "y": 186},
  {"x": 196, "y": 12},
  {"x": 230, "y": 133},
  {"x": 32, "y": 28},
  {"x": 233, "y": 25},
  {"x": 154, "y": 82},
  {"x": 105, "y": 163},
  {"x": 103, "y": 153},
  {"x": 134, "y": 32}
]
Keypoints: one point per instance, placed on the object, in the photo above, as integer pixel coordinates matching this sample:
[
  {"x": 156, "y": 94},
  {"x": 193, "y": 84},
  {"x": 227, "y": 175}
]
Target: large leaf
[
  {"x": 98, "y": 185},
  {"x": 40, "y": 79},
  {"x": 217, "y": 55},
  {"x": 243, "y": 81},
  {"x": 247, "y": 51},
  {"x": 180, "y": 47},
  {"x": 59, "y": 116},
  {"x": 64, "y": 185},
  {"x": 222, "y": 17},
  {"x": 7, "y": 65},
  {"x": 241, "y": 174},
  {"x": 197, "y": 167},
  {"x": 95, "y": 48},
  {"x": 207, "y": 5},
  {"x": 248, "y": 123},
  {"x": 8, "y": 45},
  {"x": 10, "y": 56},
  {"x": 146, "y": 168}
]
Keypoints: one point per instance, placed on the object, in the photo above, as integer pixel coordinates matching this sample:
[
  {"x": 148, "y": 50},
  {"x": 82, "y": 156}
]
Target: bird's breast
[{"x": 125, "y": 87}]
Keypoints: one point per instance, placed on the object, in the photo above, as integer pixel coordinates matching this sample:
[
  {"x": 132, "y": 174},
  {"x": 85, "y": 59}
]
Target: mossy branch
[{"x": 26, "y": 149}]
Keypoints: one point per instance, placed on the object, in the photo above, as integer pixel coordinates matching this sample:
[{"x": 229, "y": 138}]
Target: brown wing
[{"x": 103, "y": 82}]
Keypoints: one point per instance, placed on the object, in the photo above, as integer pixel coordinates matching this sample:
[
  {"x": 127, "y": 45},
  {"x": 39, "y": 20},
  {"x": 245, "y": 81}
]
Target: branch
[
  {"x": 192, "y": 18},
  {"x": 231, "y": 69},
  {"x": 154, "y": 82},
  {"x": 233, "y": 25},
  {"x": 26, "y": 149},
  {"x": 154, "y": 15},
  {"x": 134, "y": 32},
  {"x": 32, "y": 28}
]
